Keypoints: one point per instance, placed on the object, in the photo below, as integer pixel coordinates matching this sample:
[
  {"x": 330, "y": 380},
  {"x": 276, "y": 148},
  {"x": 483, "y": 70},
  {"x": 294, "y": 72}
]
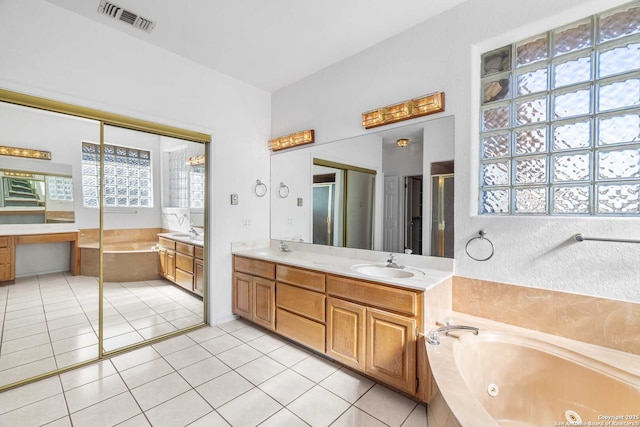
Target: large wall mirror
[
  {"x": 102, "y": 246},
  {"x": 390, "y": 190}
]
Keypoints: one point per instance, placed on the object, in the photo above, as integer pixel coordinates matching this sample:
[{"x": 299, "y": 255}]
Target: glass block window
[
  {"x": 560, "y": 120},
  {"x": 60, "y": 188},
  {"x": 127, "y": 176},
  {"x": 178, "y": 179},
  {"x": 196, "y": 189}
]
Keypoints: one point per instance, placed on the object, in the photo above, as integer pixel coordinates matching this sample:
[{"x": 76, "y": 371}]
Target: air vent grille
[{"x": 126, "y": 16}]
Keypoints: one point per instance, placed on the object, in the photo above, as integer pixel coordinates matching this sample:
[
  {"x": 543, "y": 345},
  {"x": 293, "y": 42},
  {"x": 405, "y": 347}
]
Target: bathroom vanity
[
  {"x": 369, "y": 324},
  {"x": 180, "y": 260},
  {"x": 11, "y": 238}
]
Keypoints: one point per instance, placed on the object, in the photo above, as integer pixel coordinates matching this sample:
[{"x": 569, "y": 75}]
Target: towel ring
[
  {"x": 260, "y": 189},
  {"x": 283, "y": 191},
  {"x": 480, "y": 236}
]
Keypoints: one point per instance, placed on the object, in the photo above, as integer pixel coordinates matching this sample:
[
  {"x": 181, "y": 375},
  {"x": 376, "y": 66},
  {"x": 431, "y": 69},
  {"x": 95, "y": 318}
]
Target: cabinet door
[
  {"x": 170, "y": 266},
  {"x": 391, "y": 349},
  {"x": 162, "y": 262},
  {"x": 264, "y": 302},
  {"x": 346, "y": 332},
  {"x": 198, "y": 279},
  {"x": 242, "y": 295}
]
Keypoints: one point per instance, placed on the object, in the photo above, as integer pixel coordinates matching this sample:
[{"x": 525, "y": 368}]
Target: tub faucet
[
  {"x": 194, "y": 232},
  {"x": 283, "y": 247},
  {"x": 391, "y": 262},
  {"x": 433, "y": 337}
]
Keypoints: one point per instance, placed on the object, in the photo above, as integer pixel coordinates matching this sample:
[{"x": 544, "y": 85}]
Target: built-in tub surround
[
  {"x": 129, "y": 254},
  {"x": 604, "y": 322},
  {"x": 541, "y": 379}
]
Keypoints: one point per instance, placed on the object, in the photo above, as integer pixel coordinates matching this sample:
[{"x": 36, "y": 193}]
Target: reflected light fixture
[
  {"x": 196, "y": 160},
  {"x": 293, "y": 140},
  {"x": 402, "y": 142},
  {"x": 25, "y": 152}
]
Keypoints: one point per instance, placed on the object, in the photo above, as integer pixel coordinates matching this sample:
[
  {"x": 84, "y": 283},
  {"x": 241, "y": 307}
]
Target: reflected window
[
  {"x": 127, "y": 176},
  {"x": 196, "y": 187},
  {"x": 178, "y": 179},
  {"x": 60, "y": 188}
]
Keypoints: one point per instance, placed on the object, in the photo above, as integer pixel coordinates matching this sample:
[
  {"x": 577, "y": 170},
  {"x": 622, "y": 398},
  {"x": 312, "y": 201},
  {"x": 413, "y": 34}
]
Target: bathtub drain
[
  {"x": 572, "y": 417},
  {"x": 493, "y": 390}
]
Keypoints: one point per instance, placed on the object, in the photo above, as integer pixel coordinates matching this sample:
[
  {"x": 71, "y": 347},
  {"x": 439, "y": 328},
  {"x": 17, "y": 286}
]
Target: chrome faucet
[
  {"x": 433, "y": 337},
  {"x": 194, "y": 232},
  {"x": 283, "y": 247},
  {"x": 391, "y": 262}
]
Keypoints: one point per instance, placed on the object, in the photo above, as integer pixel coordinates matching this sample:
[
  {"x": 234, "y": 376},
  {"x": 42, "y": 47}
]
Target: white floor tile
[
  {"x": 386, "y": 405},
  {"x": 315, "y": 368},
  {"x": 260, "y": 370},
  {"x": 157, "y": 330},
  {"x": 347, "y": 384},
  {"x": 38, "y": 413},
  {"x": 354, "y": 417},
  {"x": 137, "y": 421},
  {"x": 224, "y": 388},
  {"x": 249, "y": 409},
  {"x": 267, "y": 343},
  {"x": 121, "y": 341},
  {"x": 24, "y": 343},
  {"x": 28, "y": 394},
  {"x": 76, "y": 356},
  {"x": 94, "y": 392},
  {"x": 160, "y": 390},
  {"x": 107, "y": 413},
  {"x": 61, "y": 422},
  {"x": 188, "y": 356},
  {"x": 24, "y": 331},
  {"x": 73, "y": 343},
  {"x": 213, "y": 419},
  {"x": 87, "y": 374},
  {"x": 286, "y": 386},
  {"x": 205, "y": 333},
  {"x": 174, "y": 344},
  {"x": 203, "y": 371},
  {"x": 282, "y": 418},
  {"x": 23, "y": 357},
  {"x": 221, "y": 344},
  {"x": 234, "y": 325},
  {"x": 239, "y": 355},
  {"x": 249, "y": 333},
  {"x": 289, "y": 355},
  {"x": 179, "y": 411},
  {"x": 318, "y": 407},
  {"x": 146, "y": 372},
  {"x": 134, "y": 358},
  {"x": 27, "y": 370},
  {"x": 417, "y": 418}
]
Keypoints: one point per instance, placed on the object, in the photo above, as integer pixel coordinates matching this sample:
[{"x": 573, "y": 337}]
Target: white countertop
[
  {"x": 182, "y": 237},
  {"x": 342, "y": 265},
  {"x": 27, "y": 229}
]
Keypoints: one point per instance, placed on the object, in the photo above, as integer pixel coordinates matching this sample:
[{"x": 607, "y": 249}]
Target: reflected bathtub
[
  {"x": 123, "y": 261},
  {"x": 505, "y": 378}
]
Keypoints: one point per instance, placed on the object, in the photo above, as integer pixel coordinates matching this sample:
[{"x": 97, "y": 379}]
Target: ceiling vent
[{"x": 126, "y": 16}]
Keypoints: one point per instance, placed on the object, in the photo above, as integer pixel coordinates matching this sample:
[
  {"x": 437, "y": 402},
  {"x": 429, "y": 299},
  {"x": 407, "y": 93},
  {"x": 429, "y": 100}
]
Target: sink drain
[
  {"x": 572, "y": 417},
  {"x": 493, "y": 390}
]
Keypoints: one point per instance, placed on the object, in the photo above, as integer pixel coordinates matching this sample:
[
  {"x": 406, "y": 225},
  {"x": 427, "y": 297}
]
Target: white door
[{"x": 391, "y": 241}]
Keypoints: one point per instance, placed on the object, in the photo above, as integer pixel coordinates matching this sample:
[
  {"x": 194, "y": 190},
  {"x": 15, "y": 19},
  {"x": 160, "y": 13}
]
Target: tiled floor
[
  {"x": 51, "y": 321},
  {"x": 235, "y": 374}
]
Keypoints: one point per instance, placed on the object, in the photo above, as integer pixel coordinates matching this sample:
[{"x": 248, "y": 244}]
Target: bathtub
[
  {"x": 509, "y": 376},
  {"x": 123, "y": 261}
]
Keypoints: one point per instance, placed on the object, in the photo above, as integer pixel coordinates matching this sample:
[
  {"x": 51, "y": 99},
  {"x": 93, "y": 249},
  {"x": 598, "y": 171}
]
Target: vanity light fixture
[
  {"x": 19, "y": 174},
  {"x": 402, "y": 142},
  {"x": 25, "y": 152},
  {"x": 293, "y": 140},
  {"x": 405, "y": 110},
  {"x": 196, "y": 160}
]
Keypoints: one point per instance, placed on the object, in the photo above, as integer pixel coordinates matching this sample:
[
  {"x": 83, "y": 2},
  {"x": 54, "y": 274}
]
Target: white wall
[
  {"x": 442, "y": 54},
  {"x": 50, "y": 52}
]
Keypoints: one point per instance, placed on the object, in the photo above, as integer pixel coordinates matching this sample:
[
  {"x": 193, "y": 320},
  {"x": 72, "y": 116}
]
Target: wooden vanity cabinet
[
  {"x": 373, "y": 327},
  {"x": 167, "y": 258},
  {"x": 7, "y": 265},
  {"x": 300, "y": 302},
  {"x": 179, "y": 263},
  {"x": 370, "y": 327},
  {"x": 253, "y": 292}
]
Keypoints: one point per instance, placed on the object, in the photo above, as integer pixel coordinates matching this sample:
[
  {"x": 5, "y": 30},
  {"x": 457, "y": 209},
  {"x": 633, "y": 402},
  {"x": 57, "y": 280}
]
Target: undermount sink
[{"x": 381, "y": 270}]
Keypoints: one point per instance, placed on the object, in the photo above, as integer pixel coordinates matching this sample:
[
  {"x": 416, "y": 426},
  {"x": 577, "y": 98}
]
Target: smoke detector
[{"x": 126, "y": 16}]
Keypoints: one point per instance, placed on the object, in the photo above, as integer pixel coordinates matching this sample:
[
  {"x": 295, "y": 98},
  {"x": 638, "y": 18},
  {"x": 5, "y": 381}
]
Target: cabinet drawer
[
  {"x": 184, "y": 248},
  {"x": 184, "y": 262},
  {"x": 303, "y": 278},
  {"x": 199, "y": 252},
  {"x": 300, "y": 329},
  {"x": 301, "y": 301},
  {"x": 395, "y": 299},
  {"x": 167, "y": 243},
  {"x": 184, "y": 279},
  {"x": 6, "y": 241},
  {"x": 255, "y": 267}
]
